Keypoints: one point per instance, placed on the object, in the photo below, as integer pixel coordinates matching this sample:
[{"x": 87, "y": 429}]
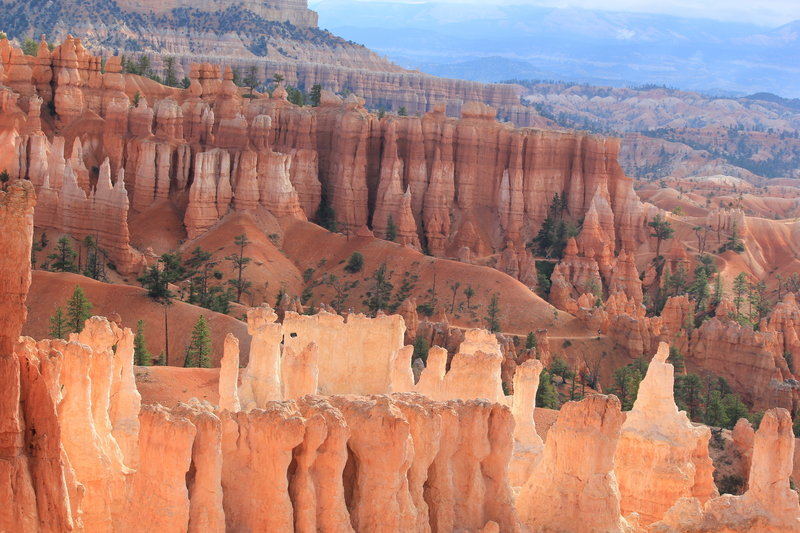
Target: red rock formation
[
  {"x": 661, "y": 456},
  {"x": 16, "y": 210},
  {"x": 769, "y": 505},
  {"x": 583, "y": 494},
  {"x": 751, "y": 361}
]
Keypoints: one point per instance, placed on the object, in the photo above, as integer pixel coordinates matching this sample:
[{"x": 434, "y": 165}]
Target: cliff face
[{"x": 451, "y": 186}]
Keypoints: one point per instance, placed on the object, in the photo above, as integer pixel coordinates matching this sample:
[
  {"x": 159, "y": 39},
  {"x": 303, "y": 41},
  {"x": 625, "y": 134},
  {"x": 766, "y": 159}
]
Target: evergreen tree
[
  {"x": 698, "y": 289},
  {"x": 315, "y": 95},
  {"x": 380, "y": 293},
  {"x": 391, "y": 229},
  {"x": 546, "y": 394},
  {"x": 59, "y": 325},
  {"x": 355, "y": 263},
  {"x": 170, "y": 75},
  {"x": 469, "y": 292},
  {"x": 30, "y": 47},
  {"x": 715, "y": 412},
  {"x": 662, "y": 230},
  {"x": 530, "y": 341},
  {"x": 198, "y": 353},
  {"x": 559, "y": 367},
  {"x": 555, "y": 231},
  {"x": 239, "y": 264},
  {"x": 493, "y": 314},
  {"x": 734, "y": 241},
  {"x": 94, "y": 266},
  {"x": 626, "y": 385},
  {"x": 251, "y": 79},
  {"x": 421, "y": 349},
  {"x": 78, "y": 307},
  {"x": 454, "y": 287},
  {"x": 734, "y": 410},
  {"x": 63, "y": 260},
  {"x": 172, "y": 268},
  {"x": 740, "y": 291},
  {"x": 688, "y": 394},
  {"x": 141, "y": 356},
  {"x": 295, "y": 96},
  {"x": 719, "y": 291},
  {"x": 155, "y": 281},
  {"x": 676, "y": 359}
]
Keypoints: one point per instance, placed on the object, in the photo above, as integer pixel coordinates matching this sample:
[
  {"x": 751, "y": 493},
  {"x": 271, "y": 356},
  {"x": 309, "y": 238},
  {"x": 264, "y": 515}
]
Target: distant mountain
[
  {"x": 573, "y": 44},
  {"x": 670, "y": 132}
]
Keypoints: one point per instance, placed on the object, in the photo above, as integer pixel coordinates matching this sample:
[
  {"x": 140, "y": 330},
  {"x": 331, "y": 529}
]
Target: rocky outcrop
[
  {"x": 564, "y": 494},
  {"x": 370, "y": 346},
  {"x": 751, "y": 361},
  {"x": 229, "y": 375},
  {"x": 769, "y": 505},
  {"x": 661, "y": 456},
  {"x": 16, "y": 215},
  {"x": 527, "y": 442}
]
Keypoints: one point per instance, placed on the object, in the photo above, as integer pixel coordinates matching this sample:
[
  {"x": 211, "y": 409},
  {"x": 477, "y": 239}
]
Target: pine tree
[
  {"x": 688, "y": 395},
  {"x": 699, "y": 288},
  {"x": 63, "y": 260},
  {"x": 141, "y": 357},
  {"x": 198, "y": 353},
  {"x": 355, "y": 263},
  {"x": 239, "y": 264},
  {"x": 391, "y": 229},
  {"x": 546, "y": 395},
  {"x": 715, "y": 411},
  {"x": 421, "y": 348},
  {"x": 740, "y": 291},
  {"x": 469, "y": 292},
  {"x": 662, "y": 230},
  {"x": 454, "y": 287},
  {"x": 59, "y": 326},
  {"x": 493, "y": 314},
  {"x": 78, "y": 307},
  {"x": 530, "y": 341},
  {"x": 626, "y": 385},
  {"x": 170, "y": 76},
  {"x": 315, "y": 95},
  {"x": 155, "y": 281},
  {"x": 380, "y": 293},
  {"x": 94, "y": 266}
]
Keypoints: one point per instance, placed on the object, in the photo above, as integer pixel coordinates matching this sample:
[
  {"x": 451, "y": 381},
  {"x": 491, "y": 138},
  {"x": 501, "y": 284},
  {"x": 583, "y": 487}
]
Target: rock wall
[{"x": 452, "y": 186}]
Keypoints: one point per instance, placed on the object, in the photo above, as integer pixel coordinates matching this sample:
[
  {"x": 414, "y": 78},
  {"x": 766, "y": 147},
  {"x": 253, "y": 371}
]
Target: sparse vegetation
[
  {"x": 198, "y": 353},
  {"x": 355, "y": 263}
]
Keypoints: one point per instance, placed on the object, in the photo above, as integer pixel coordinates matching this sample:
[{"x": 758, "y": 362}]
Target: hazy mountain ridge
[
  {"x": 681, "y": 133},
  {"x": 574, "y": 44}
]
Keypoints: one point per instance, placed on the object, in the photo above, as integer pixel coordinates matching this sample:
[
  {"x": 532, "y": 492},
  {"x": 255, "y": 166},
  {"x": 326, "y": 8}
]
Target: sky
[{"x": 770, "y": 13}]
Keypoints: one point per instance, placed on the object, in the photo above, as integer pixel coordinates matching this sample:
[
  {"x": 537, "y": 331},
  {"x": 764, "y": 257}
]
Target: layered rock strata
[{"x": 448, "y": 185}]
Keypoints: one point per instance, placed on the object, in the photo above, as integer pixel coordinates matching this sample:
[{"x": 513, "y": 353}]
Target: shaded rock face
[{"x": 452, "y": 186}]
